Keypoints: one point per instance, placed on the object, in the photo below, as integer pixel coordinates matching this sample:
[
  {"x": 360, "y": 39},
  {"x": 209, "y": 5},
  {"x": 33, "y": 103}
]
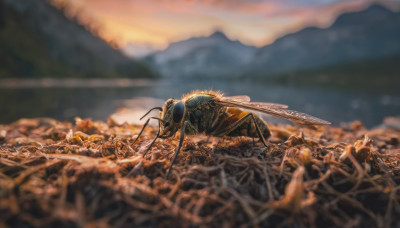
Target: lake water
[{"x": 99, "y": 99}]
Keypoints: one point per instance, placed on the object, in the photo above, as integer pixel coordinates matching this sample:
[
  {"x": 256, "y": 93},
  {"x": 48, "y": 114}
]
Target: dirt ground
[{"x": 90, "y": 174}]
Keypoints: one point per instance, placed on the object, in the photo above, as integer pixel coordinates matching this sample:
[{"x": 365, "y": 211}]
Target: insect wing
[
  {"x": 246, "y": 99},
  {"x": 276, "y": 110},
  {"x": 240, "y": 98},
  {"x": 272, "y": 105}
]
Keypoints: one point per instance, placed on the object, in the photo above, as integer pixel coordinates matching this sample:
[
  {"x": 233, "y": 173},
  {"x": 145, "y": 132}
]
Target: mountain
[
  {"x": 212, "y": 56},
  {"x": 369, "y": 34},
  {"x": 38, "y": 40}
]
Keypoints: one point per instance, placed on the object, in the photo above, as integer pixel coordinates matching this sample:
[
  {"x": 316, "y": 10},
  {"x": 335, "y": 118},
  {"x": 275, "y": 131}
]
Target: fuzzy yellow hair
[{"x": 217, "y": 94}]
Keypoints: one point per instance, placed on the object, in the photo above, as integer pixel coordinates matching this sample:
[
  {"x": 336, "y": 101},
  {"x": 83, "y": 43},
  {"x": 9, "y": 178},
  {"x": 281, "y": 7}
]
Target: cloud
[{"x": 256, "y": 22}]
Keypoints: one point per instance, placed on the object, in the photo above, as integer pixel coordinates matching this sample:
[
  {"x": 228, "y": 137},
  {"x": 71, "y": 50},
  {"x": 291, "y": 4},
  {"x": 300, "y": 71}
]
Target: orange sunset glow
[{"x": 158, "y": 23}]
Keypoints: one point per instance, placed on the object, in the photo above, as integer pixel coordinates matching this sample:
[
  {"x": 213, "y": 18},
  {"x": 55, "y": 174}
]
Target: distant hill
[
  {"x": 372, "y": 75},
  {"x": 38, "y": 40},
  {"x": 371, "y": 35},
  {"x": 212, "y": 56}
]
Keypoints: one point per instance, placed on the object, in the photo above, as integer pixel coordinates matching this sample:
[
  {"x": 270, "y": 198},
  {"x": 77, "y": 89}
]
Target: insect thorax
[
  {"x": 199, "y": 100},
  {"x": 201, "y": 112}
]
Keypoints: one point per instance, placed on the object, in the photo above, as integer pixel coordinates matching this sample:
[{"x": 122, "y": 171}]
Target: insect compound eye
[{"x": 177, "y": 112}]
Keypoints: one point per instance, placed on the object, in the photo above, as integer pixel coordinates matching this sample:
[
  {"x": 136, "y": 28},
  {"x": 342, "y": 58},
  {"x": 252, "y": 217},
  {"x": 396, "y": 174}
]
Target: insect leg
[
  {"x": 144, "y": 126},
  {"x": 154, "y": 140},
  {"x": 239, "y": 122},
  {"x": 258, "y": 130},
  {"x": 177, "y": 149}
]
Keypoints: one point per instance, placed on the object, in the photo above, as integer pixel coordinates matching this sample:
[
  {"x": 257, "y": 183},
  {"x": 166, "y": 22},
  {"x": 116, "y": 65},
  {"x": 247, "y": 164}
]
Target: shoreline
[{"x": 75, "y": 83}]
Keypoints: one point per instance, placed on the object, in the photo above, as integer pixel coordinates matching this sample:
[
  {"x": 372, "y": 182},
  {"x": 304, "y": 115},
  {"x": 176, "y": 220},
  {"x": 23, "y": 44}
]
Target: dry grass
[{"x": 55, "y": 174}]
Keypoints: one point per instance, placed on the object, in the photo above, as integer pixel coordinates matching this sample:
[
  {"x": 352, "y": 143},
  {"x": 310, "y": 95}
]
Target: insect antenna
[
  {"x": 147, "y": 113},
  {"x": 157, "y": 118},
  {"x": 145, "y": 125}
]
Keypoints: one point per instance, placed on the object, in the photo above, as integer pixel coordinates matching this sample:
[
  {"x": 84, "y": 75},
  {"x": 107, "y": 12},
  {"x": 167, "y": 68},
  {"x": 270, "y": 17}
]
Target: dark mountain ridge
[
  {"x": 372, "y": 33},
  {"x": 38, "y": 40}
]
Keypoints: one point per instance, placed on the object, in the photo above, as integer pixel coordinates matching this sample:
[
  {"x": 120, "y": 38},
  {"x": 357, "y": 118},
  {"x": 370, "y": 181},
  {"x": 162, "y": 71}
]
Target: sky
[{"x": 157, "y": 23}]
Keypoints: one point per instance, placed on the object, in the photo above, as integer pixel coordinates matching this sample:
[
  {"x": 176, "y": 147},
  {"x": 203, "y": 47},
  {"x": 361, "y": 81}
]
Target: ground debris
[{"x": 89, "y": 173}]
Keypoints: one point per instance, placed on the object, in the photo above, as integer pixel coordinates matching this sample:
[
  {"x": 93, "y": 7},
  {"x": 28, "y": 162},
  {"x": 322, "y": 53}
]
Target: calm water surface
[{"x": 99, "y": 102}]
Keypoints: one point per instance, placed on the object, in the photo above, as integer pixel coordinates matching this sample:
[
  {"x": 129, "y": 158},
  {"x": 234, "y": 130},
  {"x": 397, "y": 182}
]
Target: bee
[{"x": 213, "y": 114}]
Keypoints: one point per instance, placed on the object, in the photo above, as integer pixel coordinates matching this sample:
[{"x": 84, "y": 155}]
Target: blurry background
[{"x": 337, "y": 60}]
